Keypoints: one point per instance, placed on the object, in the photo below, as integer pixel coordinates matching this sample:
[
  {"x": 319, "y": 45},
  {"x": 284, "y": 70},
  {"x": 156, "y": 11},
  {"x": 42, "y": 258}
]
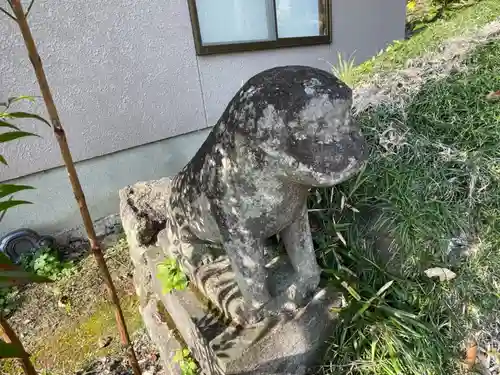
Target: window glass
[
  {"x": 235, "y": 21},
  {"x": 298, "y": 18}
]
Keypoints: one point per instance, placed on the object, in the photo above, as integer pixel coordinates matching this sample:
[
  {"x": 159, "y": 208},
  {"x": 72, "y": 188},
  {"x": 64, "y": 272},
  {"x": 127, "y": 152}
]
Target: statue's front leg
[
  {"x": 247, "y": 259},
  {"x": 299, "y": 246}
]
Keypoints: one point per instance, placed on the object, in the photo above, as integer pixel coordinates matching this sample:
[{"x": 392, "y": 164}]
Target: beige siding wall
[{"x": 125, "y": 72}]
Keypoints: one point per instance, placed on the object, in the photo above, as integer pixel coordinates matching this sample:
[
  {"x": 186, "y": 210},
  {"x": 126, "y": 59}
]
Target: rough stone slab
[
  {"x": 188, "y": 316},
  {"x": 289, "y": 347},
  {"x": 281, "y": 345},
  {"x": 162, "y": 337}
]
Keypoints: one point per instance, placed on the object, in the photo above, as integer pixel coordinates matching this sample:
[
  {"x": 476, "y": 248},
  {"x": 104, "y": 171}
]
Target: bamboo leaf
[
  {"x": 27, "y": 115},
  {"x": 11, "y": 203},
  {"x": 10, "y": 136},
  {"x": 368, "y": 303},
  {"x": 8, "y": 350},
  {"x": 384, "y": 288},
  {"x": 2, "y": 160},
  {"x": 341, "y": 238},
  {"x": 5, "y": 124},
  {"x": 21, "y": 97},
  {"x": 8, "y": 189}
]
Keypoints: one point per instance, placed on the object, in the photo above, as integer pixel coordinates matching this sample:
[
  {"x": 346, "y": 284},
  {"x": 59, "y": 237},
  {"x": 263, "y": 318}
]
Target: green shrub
[
  {"x": 7, "y": 299},
  {"x": 45, "y": 262}
]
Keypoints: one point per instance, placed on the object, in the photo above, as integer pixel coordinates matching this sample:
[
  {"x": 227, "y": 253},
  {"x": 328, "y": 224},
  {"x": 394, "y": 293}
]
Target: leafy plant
[
  {"x": 10, "y": 274},
  {"x": 12, "y": 132},
  {"x": 7, "y": 299},
  {"x": 431, "y": 176},
  {"x": 344, "y": 69},
  {"x": 187, "y": 364},
  {"x": 45, "y": 262},
  {"x": 171, "y": 276},
  {"x": 19, "y": 16}
]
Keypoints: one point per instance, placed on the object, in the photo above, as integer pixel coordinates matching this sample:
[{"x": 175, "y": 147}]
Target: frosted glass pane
[
  {"x": 298, "y": 18},
  {"x": 235, "y": 21}
]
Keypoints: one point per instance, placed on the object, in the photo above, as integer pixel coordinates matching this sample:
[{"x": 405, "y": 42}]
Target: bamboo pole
[
  {"x": 10, "y": 337},
  {"x": 73, "y": 177}
]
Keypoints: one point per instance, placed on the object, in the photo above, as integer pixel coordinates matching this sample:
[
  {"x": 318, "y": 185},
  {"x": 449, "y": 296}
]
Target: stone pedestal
[{"x": 207, "y": 317}]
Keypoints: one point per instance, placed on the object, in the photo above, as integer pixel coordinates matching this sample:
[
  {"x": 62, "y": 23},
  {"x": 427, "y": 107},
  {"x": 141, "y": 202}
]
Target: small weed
[
  {"x": 344, "y": 69},
  {"x": 45, "y": 262},
  {"x": 171, "y": 276},
  {"x": 186, "y": 362},
  {"x": 8, "y": 299}
]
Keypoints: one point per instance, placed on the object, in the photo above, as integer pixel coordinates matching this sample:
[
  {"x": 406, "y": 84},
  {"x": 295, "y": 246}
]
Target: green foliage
[
  {"x": 344, "y": 69},
  {"x": 7, "y": 299},
  {"x": 456, "y": 23},
  {"x": 186, "y": 363},
  {"x": 12, "y": 132},
  {"x": 45, "y": 262},
  {"x": 433, "y": 174},
  {"x": 11, "y": 274},
  {"x": 171, "y": 276}
]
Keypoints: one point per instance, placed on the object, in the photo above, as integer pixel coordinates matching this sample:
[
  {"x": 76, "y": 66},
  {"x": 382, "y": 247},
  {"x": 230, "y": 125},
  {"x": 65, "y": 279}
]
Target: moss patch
[{"x": 72, "y": 346}]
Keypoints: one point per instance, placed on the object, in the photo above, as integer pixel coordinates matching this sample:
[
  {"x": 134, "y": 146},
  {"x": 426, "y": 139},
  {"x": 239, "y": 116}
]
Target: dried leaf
[
  {"x": 444, "y": 274},
  {"x": 471, "y": 354},
  {"x": 493, "y": 96},
  {"x": 341, "y": 238}
]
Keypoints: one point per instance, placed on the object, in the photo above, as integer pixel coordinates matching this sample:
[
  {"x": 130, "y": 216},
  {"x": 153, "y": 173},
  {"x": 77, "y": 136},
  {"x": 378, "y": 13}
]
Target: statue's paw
[
  {"x": 207, "y": 258},
  {"x": 252, "y": 316}
]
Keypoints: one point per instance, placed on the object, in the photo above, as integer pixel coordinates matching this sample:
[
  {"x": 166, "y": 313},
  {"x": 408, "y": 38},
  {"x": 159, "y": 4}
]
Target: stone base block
[{"x": 284, "y": 344}]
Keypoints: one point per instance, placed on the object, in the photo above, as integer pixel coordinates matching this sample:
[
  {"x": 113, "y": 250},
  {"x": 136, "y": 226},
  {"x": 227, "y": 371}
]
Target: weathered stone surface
[
  {"x": 162, "y": 336},
  {"x": 285, "y": 344},
  {"x": 287, "y": 129}
]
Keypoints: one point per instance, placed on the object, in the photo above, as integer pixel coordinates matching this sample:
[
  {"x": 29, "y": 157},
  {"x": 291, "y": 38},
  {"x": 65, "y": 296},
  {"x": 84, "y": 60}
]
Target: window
[{"x": 221, "y": 26}]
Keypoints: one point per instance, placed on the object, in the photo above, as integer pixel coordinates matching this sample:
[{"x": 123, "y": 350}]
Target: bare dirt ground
[{"x": 68, "y": 326}]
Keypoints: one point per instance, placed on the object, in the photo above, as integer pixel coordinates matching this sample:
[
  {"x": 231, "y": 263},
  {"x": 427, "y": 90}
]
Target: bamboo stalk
[
  {"x": 10, "y": 337},
  {"x": 73, "y": 177}
]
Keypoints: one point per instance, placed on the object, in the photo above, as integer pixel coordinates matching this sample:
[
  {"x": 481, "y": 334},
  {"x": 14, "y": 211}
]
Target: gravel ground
[{"x": 147, "y": 356}]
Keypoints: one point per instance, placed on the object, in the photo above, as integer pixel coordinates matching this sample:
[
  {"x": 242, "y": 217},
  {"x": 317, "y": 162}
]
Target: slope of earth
[{"x": 428, "y": 202}]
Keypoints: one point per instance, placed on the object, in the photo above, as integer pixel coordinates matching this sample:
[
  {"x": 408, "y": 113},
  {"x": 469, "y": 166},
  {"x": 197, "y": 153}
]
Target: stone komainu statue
[{"x": 286, "y": 130}]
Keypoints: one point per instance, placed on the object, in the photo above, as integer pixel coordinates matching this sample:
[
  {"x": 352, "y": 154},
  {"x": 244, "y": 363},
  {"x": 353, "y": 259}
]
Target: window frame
[{"x": 325, "y": 17}]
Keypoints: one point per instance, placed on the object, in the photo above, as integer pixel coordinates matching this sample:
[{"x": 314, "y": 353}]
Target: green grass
[
  {"x": 433, "y": 175},
  {"x": 453, "y": 24}
]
